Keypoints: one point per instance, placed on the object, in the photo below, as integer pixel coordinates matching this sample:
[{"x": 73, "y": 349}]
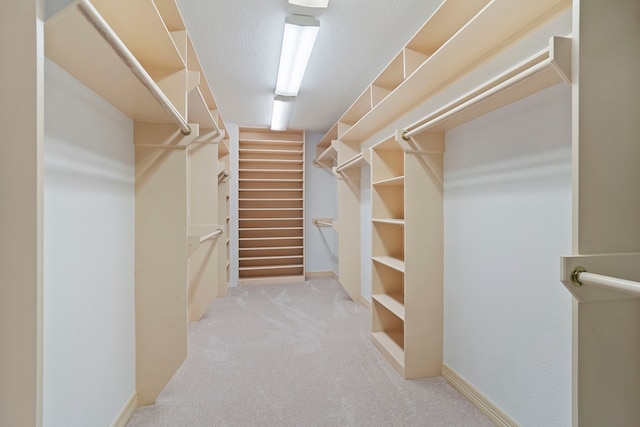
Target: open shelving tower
[
  {"x": 407, "y": 253},
  {"x": 270, "y": 206}
]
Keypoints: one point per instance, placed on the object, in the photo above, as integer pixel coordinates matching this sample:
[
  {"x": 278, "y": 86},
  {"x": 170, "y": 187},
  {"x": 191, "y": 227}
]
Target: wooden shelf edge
[
  {"x": 391, "y": 262},
  {"x": 394, "y": 302},
  {"x": 389, "y": 182},
  {"x": 391, "y": 221},
  {"x": 390, "y": 349}
]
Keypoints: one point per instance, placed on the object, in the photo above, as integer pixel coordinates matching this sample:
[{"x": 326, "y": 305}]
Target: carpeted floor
[{"x": 296, "y": 355}]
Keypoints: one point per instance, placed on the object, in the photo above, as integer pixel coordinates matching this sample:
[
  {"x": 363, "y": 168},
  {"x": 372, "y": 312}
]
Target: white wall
[
  {"x": 507, "y": 210},
  {"x": 89, "y": 325},
  {"x": 321, "y": 243}
]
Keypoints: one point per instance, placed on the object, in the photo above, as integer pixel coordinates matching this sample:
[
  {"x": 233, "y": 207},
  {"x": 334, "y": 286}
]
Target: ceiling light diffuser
[
  {"x": 310, "y": 3},
  {"x": 282, "y": 107},
  {"x": 300, "y": 34}
]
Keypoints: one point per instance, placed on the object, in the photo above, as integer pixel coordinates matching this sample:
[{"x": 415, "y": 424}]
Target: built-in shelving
[
  {"x": 270, "y": 206},
  {"x": 406, "y": 251},
  {"x": 459, "y": 36},
  {"x": 138, "y": 56}
]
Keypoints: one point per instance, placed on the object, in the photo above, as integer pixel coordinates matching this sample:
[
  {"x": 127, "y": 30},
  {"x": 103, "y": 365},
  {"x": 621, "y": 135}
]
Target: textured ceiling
[{"x": 238, "y": 43}]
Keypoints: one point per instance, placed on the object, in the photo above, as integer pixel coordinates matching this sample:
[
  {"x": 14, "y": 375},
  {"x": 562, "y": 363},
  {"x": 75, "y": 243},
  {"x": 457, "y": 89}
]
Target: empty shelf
[
  {"x": 390, "y": 344},
  {"x": 394, "y": 302},
  {"x": 395, "y": 263},
  {"x": 391, "y": 182}
]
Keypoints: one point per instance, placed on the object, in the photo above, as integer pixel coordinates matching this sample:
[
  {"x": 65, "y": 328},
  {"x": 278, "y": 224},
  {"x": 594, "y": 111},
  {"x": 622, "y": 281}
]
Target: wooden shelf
[
  {"x": 77, "y": 47},
  {"x": 390, "y": 343},
  {"x": 392, "y": 221},
  {"x": 198, "y": 112},
  {"x": 397, "y": 181},
  {"x": 326, "y": 157},
  {"x": 270, "y": 267},
  {"x": 543, "y": 70},
  {"x": 407, "y": 254},
  {"x": 142, "y": 47},
  {"x": 392, "y": 302},
  {"x": 270, "y": 257},
  {"x": 458, "y": 37},
  {"x": 271, "y": 196},
  {"x": 395, "y": 263},
  {"x": 266, "y": 151},
  {"x": 277, "y": 161}
]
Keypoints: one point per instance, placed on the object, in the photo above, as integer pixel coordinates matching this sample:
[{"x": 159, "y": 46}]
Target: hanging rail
[
  {"x": 328, "y": 151},
  {"x": 211, "y": 235},
  {"x": 98, "y": 22},
  {"x": 322, "y": 222},
  {"x": 556, "y": 59},
  {"x": 350, "y": 163},
  {"x": 580, "y": 277}
]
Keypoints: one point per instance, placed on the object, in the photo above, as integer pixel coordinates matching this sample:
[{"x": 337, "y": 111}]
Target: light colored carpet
[{"x": 296, "y": 354}]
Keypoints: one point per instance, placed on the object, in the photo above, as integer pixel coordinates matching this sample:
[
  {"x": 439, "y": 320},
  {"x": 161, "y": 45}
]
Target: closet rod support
[
  {"x": 98, "y": 22},
  {"x": 580, "y": 277}
]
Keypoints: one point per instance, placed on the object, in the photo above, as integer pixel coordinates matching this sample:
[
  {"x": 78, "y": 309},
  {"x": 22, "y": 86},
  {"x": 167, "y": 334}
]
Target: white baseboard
[
  {"x": 312, "y": 274},
  {"x": 127, "y": 411},
  {"x": 475, "y": 396}
]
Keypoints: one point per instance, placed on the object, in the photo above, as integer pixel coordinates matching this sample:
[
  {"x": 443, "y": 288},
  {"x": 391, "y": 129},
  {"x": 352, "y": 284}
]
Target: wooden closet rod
[
  {"x": 580, "y": 277},
  {"x": 478, "y": 96},
  {"x": 524, "y": 79},
  {"x": 351, "y": 162},
  {"x": 211, "y": 235},
  {"x": 98, "y": 22}
]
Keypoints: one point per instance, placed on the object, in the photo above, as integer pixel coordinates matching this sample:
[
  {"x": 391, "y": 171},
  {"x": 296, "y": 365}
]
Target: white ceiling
[{"x": 238, "y": 43}]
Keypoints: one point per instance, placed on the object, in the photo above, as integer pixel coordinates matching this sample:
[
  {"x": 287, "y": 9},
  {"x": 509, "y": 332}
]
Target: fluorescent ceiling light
[
  {"x": 310, "y": 3},
  {"x": 282, "y": 107},
  {"x": 300, "y": 34}
]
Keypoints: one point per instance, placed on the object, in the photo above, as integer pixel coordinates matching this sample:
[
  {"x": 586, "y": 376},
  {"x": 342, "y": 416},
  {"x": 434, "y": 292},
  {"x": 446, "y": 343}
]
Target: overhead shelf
[
  {"x": 545, "y": 69},
  {"x": 468, "y": 33},
  {"x": 198, "y": 112},
  {"x": 327, "y": 157},
  {"x": 75, "y": 45}
]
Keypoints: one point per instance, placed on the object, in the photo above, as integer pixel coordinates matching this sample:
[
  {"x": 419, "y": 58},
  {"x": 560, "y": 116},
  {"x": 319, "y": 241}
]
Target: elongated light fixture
[
  {"x": 300, "y": 32},
  {"x": 282, "y": 107},
  {"x": 310, "y": 3}
]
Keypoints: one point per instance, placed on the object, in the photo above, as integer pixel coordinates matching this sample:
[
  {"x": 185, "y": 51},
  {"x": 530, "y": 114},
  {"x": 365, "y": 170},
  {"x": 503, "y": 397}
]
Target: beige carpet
[{"x": 296, "y": 355}]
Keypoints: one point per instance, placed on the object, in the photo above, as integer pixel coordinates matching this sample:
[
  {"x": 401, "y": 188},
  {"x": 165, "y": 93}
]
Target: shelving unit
[
  {"x": 138, "y": 56},
  {"x": 271, "y": 206},
  {"x": 407, "y": 244},
  {"x": 459, "y": 36}
]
